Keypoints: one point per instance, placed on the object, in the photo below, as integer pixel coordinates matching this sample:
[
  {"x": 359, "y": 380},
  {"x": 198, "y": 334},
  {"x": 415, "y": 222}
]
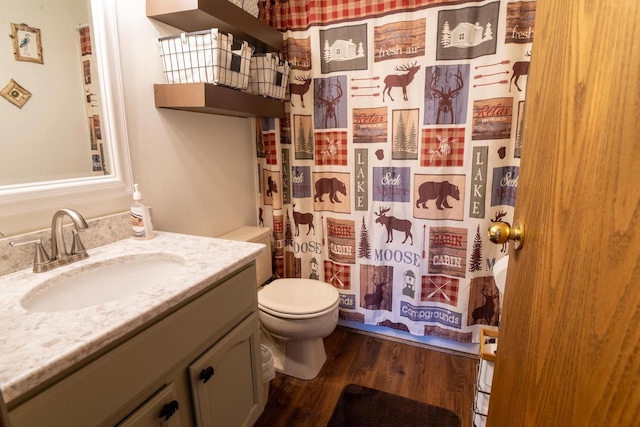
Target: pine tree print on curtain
[{"x": 401, "y": 145}]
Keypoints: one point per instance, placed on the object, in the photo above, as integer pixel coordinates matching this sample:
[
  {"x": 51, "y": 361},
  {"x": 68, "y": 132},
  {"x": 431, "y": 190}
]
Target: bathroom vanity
[{"x": 185, "y": 350}]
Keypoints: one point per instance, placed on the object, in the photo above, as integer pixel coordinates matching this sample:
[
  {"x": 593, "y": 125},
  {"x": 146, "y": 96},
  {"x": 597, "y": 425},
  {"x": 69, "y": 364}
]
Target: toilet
[{"x": 295, "y": 314}]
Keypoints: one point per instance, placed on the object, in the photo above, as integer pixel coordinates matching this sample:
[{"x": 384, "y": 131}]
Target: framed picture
[
  {"x": 15, "y": 94},
  {"x": 27, "y": 45}
]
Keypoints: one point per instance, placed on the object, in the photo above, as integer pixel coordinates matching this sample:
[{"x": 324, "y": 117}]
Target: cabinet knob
[
  {"x": 168, "y": 410},
  {"x": 206, "y": 374}
]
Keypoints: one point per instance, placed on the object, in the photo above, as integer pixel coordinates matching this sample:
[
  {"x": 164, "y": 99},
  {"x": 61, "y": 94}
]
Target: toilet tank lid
[
  {"x": 248, "y": 233},
  {"x": 298, "y": 296}
]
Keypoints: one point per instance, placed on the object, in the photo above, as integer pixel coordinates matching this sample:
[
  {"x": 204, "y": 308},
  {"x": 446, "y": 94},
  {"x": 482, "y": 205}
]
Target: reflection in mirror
[
  {"x": 68, "y": 141},
  {"x": 56, "y": 134}
]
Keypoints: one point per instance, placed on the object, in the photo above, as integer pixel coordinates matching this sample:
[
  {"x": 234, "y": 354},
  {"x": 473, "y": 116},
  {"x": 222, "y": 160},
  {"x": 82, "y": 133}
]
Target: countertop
[{"x": 35, "y": 347}]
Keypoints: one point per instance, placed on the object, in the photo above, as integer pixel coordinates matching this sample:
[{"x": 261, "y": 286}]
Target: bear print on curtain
[{"x": 400, "y": 146}]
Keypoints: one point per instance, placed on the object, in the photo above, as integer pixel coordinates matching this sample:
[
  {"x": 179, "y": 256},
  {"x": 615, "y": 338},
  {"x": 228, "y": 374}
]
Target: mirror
[{"x": 108, "y": 174}]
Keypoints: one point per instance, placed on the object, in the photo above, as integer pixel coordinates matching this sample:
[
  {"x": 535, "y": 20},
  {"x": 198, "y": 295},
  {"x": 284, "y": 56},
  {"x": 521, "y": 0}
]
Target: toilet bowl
[
  {"x": 500, "y": 276},
  {"x": 295, "y": 314}
]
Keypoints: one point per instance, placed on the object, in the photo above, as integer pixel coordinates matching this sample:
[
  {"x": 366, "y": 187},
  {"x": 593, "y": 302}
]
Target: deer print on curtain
[{"x": 401, "y": 144}]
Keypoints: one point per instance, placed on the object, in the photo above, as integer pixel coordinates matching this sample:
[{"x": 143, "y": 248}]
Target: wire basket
[
  {"x": 208, "y": 56},
  {"x": 249, "y": 6},
  {"x": 269, "y": 76}
]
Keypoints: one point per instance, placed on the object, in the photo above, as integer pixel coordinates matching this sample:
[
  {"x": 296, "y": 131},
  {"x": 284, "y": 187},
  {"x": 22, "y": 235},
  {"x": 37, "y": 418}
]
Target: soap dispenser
[{"x": 140, "y": 217}]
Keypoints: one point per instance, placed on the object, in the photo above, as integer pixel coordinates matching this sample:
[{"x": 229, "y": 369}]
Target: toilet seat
[{"x": 298, "y": 298}]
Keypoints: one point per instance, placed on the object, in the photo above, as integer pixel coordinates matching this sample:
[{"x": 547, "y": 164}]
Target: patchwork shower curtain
[{"x": 400, "y": 147}]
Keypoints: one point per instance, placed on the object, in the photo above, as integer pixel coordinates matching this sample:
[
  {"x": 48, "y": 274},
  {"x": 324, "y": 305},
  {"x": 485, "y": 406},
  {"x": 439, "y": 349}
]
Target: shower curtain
[{"x": 400, "y": 147}]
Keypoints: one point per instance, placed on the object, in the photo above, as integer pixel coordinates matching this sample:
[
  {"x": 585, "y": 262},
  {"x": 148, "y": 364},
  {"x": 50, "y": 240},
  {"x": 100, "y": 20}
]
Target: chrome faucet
[
  {"x": 59, "y": 254},
  {"x": 58, "y": 247}
]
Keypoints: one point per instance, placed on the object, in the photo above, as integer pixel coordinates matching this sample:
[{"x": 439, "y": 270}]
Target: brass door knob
[{"x": 500, "y": 232}]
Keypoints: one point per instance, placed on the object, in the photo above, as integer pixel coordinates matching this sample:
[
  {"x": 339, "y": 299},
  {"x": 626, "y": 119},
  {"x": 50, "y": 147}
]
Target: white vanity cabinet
[
  {"x": 156, "y": 369},
  {"x": 161, "y": 407},
  {"x": 223, "y": 379}
]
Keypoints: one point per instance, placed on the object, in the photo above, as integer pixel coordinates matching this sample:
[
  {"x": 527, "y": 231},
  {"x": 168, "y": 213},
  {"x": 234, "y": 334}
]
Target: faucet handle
[
  {"x": 40, "y": 258},
  {"x": 77, "y": 247}
]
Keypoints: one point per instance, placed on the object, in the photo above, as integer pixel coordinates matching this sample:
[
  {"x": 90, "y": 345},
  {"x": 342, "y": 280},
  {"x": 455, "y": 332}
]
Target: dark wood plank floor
[{"x": 430, "y": 376}]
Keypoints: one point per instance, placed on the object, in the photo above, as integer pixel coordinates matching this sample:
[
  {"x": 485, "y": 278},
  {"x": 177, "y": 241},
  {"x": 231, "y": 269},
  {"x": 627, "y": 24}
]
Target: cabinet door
[
  {"x": 159, "y": 411},
  {"x": 226, "y": 381}
]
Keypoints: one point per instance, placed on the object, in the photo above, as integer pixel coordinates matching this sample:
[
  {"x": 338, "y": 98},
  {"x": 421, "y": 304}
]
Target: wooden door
[{"x": 569, "y": 346}]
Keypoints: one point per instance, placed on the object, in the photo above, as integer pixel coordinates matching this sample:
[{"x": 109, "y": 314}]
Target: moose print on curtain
[{"x": 400, "y": 146}]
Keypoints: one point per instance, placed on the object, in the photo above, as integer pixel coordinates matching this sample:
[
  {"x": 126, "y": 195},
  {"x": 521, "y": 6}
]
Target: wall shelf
[
  {"x": 195, "y": 15},
  {"x": 212, "y": 99}
]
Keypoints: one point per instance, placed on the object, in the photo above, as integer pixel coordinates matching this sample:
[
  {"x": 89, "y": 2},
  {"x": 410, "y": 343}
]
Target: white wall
[{"x": 195, "y": 170}]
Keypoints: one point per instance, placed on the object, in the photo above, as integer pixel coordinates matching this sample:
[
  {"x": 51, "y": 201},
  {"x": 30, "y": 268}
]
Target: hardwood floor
[{"x": 430, "y": 376}]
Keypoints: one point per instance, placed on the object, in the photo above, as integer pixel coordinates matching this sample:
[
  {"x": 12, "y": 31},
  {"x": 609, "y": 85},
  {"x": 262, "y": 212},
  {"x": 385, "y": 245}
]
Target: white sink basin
[{"x": 101, "y": 282}]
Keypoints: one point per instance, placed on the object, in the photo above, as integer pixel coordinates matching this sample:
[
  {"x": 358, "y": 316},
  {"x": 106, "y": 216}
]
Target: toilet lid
[{"x": 297, "y": 296}]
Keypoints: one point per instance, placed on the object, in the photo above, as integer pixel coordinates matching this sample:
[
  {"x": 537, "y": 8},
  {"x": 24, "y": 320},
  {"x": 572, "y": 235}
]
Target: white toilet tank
[{"x": 256, "y": 235}]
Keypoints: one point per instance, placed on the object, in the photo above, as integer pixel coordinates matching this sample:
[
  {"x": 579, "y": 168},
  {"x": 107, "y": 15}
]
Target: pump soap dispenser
[{"x": 140, "y": 217}]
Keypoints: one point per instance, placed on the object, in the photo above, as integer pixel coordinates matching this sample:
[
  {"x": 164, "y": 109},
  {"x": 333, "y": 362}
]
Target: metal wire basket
[
  {"x": 208, "y": 56},
  {"x": 269, "y": 76}
]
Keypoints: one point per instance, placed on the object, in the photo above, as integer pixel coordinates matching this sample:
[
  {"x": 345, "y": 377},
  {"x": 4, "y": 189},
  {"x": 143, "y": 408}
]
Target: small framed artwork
[
  {"x": 15, "y": 94},
  {"x": 27, "y": 44}
]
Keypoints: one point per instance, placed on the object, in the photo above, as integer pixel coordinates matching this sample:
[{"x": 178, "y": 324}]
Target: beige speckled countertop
[{"x": 35, "y": 347}]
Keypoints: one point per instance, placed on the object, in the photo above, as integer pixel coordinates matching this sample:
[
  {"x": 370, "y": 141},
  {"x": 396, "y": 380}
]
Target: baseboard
[{"x": 470, "y": 350}]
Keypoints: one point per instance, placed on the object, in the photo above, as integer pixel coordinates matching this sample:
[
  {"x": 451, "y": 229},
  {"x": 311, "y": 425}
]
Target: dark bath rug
[{"x": 362, "y": 406}]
